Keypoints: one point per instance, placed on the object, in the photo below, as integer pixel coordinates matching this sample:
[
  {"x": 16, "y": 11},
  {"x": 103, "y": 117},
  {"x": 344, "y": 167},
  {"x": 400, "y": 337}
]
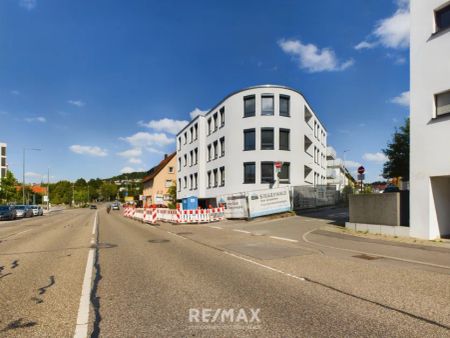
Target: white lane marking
[
  {"x": 372, "y": 254},
  {"x": 176, "y": 235},
  {"x": 264, "y": 266},
  {"x": 243, "y": 231},
  {"x": 81, "y": 329},
  {"x": 215, "y": 227},
  {"x": 284, "y": 239}
]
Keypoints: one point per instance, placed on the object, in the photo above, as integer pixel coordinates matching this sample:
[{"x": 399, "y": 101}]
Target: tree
[
  {"x": 397, "y": 153},
  {"x": 108, "y": 191},
  {"x": 172, "y": 192},
  {"x": 8, "y": 190}
]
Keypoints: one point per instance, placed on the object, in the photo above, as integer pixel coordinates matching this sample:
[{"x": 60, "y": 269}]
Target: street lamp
[{"x": 23, "y": 172}]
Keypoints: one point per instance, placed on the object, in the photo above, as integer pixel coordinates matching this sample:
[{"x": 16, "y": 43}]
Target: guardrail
[{"x": 152, "y": 215}]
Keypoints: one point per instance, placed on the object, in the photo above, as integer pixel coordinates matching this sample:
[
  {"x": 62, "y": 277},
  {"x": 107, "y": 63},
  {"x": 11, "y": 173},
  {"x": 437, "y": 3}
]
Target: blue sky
[{"x": 99, "y": 85}]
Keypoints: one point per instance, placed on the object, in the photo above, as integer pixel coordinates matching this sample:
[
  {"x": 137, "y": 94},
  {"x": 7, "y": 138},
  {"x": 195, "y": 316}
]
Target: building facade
[
  {"x": 158, "y": 181},
  {"x": 3, "y": 163},
  {"x": 337, "y": 173},
  {"x": 234, "y": 146},
  {"x": 430, "y": 119}
]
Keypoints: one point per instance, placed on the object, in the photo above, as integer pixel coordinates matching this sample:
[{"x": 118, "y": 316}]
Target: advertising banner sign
[
  {"x": 270, "y": 201},
  {"x": 235, "y": 205}
]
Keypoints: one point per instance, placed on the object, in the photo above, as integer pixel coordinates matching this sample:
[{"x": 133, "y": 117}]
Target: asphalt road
[{"x": 147, "y": 280}]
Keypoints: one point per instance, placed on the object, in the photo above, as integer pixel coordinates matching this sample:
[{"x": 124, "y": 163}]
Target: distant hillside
[{"x": 128, "y": 176}]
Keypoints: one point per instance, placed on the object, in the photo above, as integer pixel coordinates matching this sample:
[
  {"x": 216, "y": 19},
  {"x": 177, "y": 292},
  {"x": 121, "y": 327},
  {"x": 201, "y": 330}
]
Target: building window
[
  {"x": 249, "y": 139},
  {"x": 170, "y": 170},
  {"x": 209, "y": 126},
  {"x": 195, "y": 155},
  {"x": 267, "y": 172},
  {"x": 284, "y": 139},
  {"x": 195, "y": 181},
  {"x": 267, "y": 105},
  {"x": 216, "y": 122},
  {"x": 185, "y": 159},
  {"x": 249, "y": 106},
  {"x": 209, "y": 153},
  {"x": 222, "y": 176},
  {"x": 285, "y": 102},
  {"x": 284, "y": 173},
  {"x": 195, "y": 131},
  {"x": 179, "y": 143},
  {"x": 192, "y": 134},
  {"x": 442, "y": 102},
  {"x": 191, "y": 179},
  {"x": 179, "y": 163},
  {"x": 267, "y": 139},
  {"x": 168, "y": 183},
  {"x": 191, "y": 158},
  {"x": 179, "y": 184},
  {"x": 185, "y": 137},
  {"x": 185, "y": 182},
  {"x": 249, "y": 172},
  {"x": 222, "y": 146},
  {"x": 222, "y": 116},
  {"x": 216, "y": 149},
  {"x": 216, "y": 178},
  {"x": 442, "y": 17},
  {"x": 209, "y": 179}
]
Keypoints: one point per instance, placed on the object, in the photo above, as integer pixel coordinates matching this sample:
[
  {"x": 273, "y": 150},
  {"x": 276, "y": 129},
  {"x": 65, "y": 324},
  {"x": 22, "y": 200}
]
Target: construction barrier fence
[{"x": 152, "y": 215}]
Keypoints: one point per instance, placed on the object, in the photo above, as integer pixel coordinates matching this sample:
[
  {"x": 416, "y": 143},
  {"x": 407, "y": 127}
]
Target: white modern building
[
  {"x": 337, "y": 173},
  {"x": 3, "y": 163},
  {"x": 430, "y": 119},
  {"x": 233, "y": 147}
]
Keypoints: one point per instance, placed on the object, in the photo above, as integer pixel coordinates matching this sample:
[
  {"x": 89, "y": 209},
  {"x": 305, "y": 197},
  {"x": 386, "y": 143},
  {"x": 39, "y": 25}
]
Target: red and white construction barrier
[{"x": 175, "y": 216}]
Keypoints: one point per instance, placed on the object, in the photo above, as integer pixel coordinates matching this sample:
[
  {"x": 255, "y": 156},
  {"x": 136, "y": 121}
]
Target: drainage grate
[
  {"x": 184, "y": 233},
  {"x": 367, "y": 257},
  {"x": 158, "y": 240}
]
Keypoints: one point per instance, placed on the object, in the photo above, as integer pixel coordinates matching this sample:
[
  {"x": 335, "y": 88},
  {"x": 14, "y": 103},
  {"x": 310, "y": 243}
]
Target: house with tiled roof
[{"x": 158, "y": 181}]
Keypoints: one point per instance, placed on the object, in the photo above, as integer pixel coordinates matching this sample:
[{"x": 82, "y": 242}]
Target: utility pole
[
  {"x": 73, "y": 194},
  {"x": 48, "y": 189}
]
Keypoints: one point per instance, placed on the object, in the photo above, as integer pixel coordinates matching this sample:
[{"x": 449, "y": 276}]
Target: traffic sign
[
  {"x": 361, "y": 177},
  {"x": 278, "y": 165},
  {"x": 361, "y": 170}
]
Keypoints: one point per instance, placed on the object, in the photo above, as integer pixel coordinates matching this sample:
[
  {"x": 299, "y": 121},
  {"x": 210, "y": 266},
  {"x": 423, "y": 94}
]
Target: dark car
[
  {"x": 391, "y": 188},
  {"x": 93, "y": 206},
  {"x": 23, "y": 211},
  {"x": 7, "y": 212}
]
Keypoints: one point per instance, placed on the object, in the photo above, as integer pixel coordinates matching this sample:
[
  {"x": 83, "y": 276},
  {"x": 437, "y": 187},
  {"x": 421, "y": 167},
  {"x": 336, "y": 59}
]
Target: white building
[
  {"x": 337, "y": 174},
  {"x": 3, "y": 164},
  {"x": 430, "y": 119},
  {"x": 233, "y": 147}
]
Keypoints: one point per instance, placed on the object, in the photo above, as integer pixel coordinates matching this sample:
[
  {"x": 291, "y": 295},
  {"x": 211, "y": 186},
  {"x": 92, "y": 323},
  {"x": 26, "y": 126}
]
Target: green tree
[
  {"x": 8, "y": 190},
  {"x": 172, "y": 191},
  {"x": 397, "y": 152},
  {"x": 108, "y": 191}
]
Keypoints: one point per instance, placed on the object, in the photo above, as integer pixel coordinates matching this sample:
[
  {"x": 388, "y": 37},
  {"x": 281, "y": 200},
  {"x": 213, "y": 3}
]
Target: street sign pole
[{"x": 361, "y": 171}]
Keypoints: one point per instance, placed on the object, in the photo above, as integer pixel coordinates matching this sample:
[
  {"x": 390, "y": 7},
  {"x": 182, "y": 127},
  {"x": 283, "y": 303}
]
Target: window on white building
[
  {"x": 222, "y": 116},
  {"x": 267, "y": 172},
  {"x": 267, "y": 105},
  {"x": 195, "y": 155},
  {"x": 179, "y": 163},
  {"x": 209, "y": 152},
  {"x": 195, "y": 181},
  {"x": 284, "y": 139},
  {"x": 285, "y": 105},
  {"x": 209, "y": 179},
  {"x": 284, "y": 174},
  {"x": 249, "y": 172},
  {"x": 222, "y": 176},
  {"x": 216, "y": 149},
  {"x": 216, "y": 178},
  {"x": 442, "y": 103},
  {"x": 185, "y": 182},
  {"x": 267, "y": 139},
  {"x": 185, "y": 137},
  {"x": 249, "y": 139},
  {"x": 179, "y": 184},
  {"x": 209, "y": 126},
  {"x": 192, "y": 134},
  {"x": 222, "y": 146},
  {"x": 185, "y": 159},
  {"x": 249, "y": 106},
  {"x": 191, "y": 182},
  {"x": 195, "y": 131},
  {"x": 216, "y": 121},
  {"x": 442, "y": 18}
]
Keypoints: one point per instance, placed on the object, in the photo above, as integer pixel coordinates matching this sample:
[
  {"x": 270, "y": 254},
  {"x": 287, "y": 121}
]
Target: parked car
[
  {"x": 37, "y": 210},
  {"x": 93, "y": 206},
  {"x": 7, "y": 212},
  {"x": 115, "y": 206},
  {"x": 23, "y": 211},
  {"x": 391, "y": 188}
]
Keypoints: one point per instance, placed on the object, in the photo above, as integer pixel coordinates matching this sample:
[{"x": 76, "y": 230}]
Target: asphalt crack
[{"x": 43, "y": 289}]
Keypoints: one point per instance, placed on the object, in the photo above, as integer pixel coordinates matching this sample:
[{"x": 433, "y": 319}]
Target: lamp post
[{"x": 23, "y": 172}]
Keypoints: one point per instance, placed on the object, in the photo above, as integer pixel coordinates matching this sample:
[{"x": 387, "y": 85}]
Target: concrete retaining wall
[{"x": 375, "y": 209}]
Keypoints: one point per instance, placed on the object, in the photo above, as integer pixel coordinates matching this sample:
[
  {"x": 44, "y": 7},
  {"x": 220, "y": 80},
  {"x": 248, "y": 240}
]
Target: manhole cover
[
  {"x": 184, "y": 233},
  {"x": 367, "y": 257},
  {"x": 158, "y": 240}
]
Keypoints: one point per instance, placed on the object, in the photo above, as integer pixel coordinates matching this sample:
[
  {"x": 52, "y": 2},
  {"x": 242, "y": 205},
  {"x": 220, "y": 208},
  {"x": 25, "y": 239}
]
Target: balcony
[
  {"x": 331, "y": 153},
  {"x": 337, "y": 163}
]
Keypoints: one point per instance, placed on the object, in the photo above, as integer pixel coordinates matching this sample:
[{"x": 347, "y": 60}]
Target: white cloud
[
  {"x": 77, "y": 103},
  {"x": 15, "y": 92},
  {"x": 167, "y": 125},
  {"x": 127, "y": 170},
  {"x": 135, "y": 152},
  {"x": 196, "y": 112},
  {"x": 313, "y": 59},
  {"x": 352, "y": 164},
  {"x": 88, "y": 150},
  {"x": 375, "y": 157},
  {"x": 40, "y": 119},
  {"x": 148, "y": 140},
  {"x": 135, "y": 160},
  {"x": 31, "y": 174},
  {"x": 28, "y": 4},
  {"x": 392, "y": 32},
  {"x": 402, "y": 99}
]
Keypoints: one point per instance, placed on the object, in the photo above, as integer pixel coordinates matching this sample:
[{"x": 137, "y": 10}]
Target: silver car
[{"x": 23, "y": 211}]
